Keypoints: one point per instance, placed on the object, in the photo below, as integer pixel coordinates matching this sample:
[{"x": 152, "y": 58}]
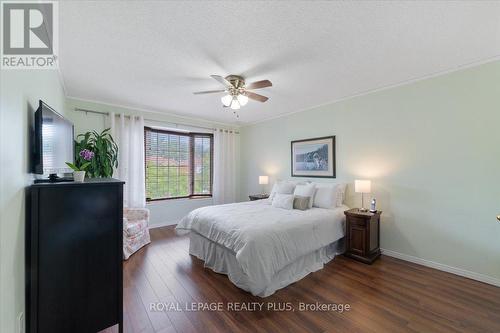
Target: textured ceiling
[{"x": 153, "y": 55}]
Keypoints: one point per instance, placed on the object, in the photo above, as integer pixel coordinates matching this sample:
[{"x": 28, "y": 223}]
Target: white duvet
[{"x": 263, "y": 238}]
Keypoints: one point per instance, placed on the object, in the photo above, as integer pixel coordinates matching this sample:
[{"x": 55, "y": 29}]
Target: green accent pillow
[{"x": 300, "y": 202}]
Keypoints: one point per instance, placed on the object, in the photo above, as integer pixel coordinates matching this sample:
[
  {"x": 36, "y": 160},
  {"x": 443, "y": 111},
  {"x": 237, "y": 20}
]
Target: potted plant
[
  {"x": 79, "y": 171},
  {"x": 104, "y": 153}
]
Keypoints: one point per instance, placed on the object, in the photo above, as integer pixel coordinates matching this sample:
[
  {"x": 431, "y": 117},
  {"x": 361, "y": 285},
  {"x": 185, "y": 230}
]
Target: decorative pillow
[
  {"x": 282, "y": 187},
  {"x": 302, "y": 203},
  {"x": 306, "y": 190},
  {"x": 326, "y": 196},
  {"x": 284, "y": 201}
]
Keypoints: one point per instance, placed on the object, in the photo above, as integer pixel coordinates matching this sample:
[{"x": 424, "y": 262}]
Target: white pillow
[
  {"x": 282, "y": 187},
  {"x": 326, "y": 196},
  {"x": 284, "y": 201},
  {"x": 300, "y": 182},
  {"x": 273, "y": 190},
  {"x": 306, "y": 190},
  {"x": 341, "y": 194}
]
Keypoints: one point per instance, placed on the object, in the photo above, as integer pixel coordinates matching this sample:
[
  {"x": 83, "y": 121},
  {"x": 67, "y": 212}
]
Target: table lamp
[
  {"x": 263, "y": 180},
  {"x": 362, "y": 186}
]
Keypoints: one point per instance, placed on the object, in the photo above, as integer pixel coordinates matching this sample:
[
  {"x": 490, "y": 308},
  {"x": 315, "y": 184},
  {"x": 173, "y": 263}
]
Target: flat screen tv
[{"x": 53, "y": 142}]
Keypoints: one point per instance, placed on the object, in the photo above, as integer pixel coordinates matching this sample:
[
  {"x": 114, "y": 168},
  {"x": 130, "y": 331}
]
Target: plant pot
[{"x": 79, "y": 176}]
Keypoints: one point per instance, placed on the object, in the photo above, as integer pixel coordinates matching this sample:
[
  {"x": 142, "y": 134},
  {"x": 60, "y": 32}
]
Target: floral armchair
[{"x": 135, "y": 230}]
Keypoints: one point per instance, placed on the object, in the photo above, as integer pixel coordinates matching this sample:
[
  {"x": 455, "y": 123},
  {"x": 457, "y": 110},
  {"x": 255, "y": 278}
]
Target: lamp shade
[
  {"x": 226, "y": 100},
  {"x": 235, "y": 105},
  {"x": 242, "y": 99},
  {"x": 362, "y": 186},
  {"x": 263, "y": 180}
]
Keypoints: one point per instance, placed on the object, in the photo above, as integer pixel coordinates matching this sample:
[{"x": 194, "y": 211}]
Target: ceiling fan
[{"x": 237, "y": 93}]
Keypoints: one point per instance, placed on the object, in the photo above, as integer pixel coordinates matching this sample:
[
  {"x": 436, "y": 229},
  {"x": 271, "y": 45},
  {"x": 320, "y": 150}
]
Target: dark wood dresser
[
  {"x": 74, "y": 237},
  {"x": 362, "y": 235}
]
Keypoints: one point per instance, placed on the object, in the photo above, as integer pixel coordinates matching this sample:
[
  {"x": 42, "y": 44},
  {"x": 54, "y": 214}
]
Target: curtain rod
[{"x": 159, "y": 121}]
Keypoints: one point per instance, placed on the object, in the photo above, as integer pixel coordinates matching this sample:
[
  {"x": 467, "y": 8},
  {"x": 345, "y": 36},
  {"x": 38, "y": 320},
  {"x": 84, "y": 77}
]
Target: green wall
[
  {"x": 20, "y": 91},
  {"x": 432, "y": 151}
]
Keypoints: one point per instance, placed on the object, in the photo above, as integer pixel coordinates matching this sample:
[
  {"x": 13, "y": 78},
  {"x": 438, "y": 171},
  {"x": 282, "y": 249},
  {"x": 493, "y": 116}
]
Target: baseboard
[
  {"x": 163, "y": 224},
  {"x": 445, "y": 268}
]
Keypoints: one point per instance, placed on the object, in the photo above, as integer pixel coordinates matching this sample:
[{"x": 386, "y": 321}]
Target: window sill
[{"x": 160, "y": 201}]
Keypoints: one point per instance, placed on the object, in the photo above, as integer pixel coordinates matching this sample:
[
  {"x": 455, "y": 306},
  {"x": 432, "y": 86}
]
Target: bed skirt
[{"x": 222, "y": 260}]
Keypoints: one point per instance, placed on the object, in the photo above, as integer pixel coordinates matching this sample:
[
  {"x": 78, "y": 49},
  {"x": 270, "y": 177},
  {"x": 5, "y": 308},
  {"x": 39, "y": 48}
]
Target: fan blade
[
  {"x": 222, "y": 80},
  {"x": 259, "y": 84},
  {"x": 256, "y": 97},
  {"x": 209, "y": 92}
]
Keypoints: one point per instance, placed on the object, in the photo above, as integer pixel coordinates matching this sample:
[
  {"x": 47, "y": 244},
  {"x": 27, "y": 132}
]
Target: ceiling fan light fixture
[
  {"x": 236, "y": 92},
  {"x": 235, "y": 105},
  {"x": 242, "y": 99},
  {"x": 226, "y": 100}
]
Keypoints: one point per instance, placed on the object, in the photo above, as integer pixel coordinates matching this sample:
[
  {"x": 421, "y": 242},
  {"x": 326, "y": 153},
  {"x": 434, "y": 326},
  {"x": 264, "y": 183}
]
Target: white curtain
[
  {"x": 224, "y": 186},
  {"x": 128, "y": 132}
]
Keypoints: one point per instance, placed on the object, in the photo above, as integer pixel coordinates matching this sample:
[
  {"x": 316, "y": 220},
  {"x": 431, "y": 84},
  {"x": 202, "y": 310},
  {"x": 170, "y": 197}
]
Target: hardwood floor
[{"x": 389, "y": 296}]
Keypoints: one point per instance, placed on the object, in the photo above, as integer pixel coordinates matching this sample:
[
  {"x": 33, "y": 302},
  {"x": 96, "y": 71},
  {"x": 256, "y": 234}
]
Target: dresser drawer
[{"x": 358, "y": 222}]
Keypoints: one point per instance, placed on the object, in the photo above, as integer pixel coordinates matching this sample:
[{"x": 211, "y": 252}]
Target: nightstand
[
  {"x": 362, "y": 235},
  {"x": 258, "y": 196}
]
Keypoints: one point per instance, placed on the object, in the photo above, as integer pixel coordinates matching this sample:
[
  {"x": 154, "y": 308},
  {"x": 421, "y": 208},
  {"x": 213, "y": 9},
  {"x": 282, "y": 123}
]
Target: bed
[{"x": 262, "y": 248}]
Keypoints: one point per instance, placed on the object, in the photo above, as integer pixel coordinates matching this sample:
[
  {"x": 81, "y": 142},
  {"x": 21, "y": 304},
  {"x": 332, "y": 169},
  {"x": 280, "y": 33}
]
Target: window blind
[{"x": 177, "y": 164}]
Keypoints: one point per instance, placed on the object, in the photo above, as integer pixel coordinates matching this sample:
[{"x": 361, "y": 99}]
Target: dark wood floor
[{"x": 389, "y": 296}]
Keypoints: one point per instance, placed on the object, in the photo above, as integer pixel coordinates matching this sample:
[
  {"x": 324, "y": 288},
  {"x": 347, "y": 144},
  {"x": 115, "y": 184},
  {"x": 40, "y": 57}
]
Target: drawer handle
[{"x": 498, "y": 217}]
